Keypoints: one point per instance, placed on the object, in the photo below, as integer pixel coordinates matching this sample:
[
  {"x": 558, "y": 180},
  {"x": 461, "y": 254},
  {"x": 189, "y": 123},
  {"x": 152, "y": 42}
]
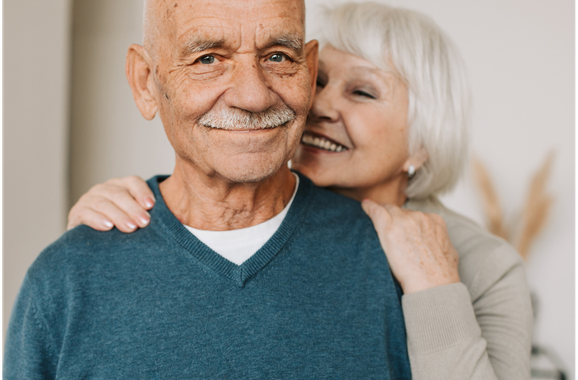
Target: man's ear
[
  {"x": 139, "y": 74},
  {"x": 312, "y": 59},
  {"x": 416, "y": 160}
]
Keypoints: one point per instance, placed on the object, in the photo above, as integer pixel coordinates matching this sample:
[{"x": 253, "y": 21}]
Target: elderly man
[{"x": 247, "y": 270}]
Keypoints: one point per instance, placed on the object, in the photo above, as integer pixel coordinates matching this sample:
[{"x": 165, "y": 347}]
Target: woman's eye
[
  {"x": 363, "y": 93},
  {"x": 207, "y": 59},
  {"x": 320, "y": 83},
  {"x": 277, "y": 58}
]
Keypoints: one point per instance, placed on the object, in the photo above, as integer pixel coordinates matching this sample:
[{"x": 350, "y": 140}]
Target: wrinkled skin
[
  {"x": 357, "y": 105},
  {"x": 202, "y": 56}
]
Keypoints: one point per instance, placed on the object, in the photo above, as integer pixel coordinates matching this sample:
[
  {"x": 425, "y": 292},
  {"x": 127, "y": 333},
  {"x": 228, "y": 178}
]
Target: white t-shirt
[{"x": 239, "y": 245}]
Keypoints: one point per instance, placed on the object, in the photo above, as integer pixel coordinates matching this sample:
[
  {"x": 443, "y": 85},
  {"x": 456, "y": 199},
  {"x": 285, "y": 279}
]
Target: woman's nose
[{"x": 324, "y": 104}]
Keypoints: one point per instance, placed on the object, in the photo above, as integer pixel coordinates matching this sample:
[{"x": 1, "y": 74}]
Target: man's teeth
[{"x": 320, "y": 142}]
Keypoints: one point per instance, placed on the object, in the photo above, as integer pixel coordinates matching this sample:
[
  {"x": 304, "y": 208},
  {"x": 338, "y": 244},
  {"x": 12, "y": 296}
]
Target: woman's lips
[{"x": 321, "y": 142}]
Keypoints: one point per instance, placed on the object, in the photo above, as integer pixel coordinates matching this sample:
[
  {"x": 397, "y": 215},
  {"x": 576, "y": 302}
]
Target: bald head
[
  {"x": 154, "y": 23},
  {"x": 159, "y": 18}
]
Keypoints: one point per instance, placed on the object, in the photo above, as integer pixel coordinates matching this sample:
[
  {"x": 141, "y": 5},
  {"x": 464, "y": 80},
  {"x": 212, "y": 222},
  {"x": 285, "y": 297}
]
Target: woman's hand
[
  {"x": 120, "y": 202},
  {"x": 417, "y": 246}
]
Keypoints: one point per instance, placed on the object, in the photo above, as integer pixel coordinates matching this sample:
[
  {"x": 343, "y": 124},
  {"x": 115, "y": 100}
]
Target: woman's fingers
[
  {"x": 92, "y": 219},
  {"x": 120, "y": 192},
  {"x": 112, "y": 203},
  {"x": 139, "y": 190},
  {"x": 380, "y": 216},
  {"x": 110, "y": 210},
  {"x": 124, "y": 202}
]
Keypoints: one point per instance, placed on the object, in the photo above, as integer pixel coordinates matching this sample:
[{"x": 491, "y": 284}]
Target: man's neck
[{"x": 214, "y": 204}]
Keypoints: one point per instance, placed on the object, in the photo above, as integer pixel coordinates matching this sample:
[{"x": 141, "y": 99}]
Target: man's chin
[{"x": 250, "y": 172}]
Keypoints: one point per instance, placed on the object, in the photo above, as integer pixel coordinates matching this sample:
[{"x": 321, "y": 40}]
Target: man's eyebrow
[
  {"x": 291, "y": 41},
  {"x": 198, "y": 44}
]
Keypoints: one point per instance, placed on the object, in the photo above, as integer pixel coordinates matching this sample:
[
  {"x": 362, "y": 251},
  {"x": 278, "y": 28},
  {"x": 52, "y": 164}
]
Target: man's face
[{"x": 233, "y": 84}]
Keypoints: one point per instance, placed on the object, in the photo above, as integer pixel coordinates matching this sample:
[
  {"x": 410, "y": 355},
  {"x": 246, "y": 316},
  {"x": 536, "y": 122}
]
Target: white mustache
[{"x": 236, "y": 119}]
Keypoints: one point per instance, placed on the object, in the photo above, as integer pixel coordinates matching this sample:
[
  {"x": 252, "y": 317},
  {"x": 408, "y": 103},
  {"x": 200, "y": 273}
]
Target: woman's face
[{"x": 355, "y": 138}]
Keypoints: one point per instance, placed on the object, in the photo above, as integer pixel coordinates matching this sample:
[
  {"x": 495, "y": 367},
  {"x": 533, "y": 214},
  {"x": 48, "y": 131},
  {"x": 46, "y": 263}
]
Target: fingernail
[
  {"x": 145, "y": 219},
  {"x": 108, "y": 224},
  {"x": 149, "y": 202},
  {"x": 130, "y": 225}
]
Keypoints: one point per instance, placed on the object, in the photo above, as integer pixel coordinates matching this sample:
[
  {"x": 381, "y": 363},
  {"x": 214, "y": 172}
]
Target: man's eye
[
  {"x": 277, "y": 58},
  {"x": 207, "y": 59}
]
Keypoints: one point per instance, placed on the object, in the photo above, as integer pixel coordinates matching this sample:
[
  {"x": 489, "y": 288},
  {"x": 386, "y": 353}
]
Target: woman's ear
[
  {"x": 416, "y": 160},
  {"x": 138, "y": 69}
]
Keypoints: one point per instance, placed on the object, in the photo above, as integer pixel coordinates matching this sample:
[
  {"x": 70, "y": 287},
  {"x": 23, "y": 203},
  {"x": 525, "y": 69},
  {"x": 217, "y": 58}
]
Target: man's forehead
[
  {"x": 228, "y": 17},
  {"x": 199, "y": 38}
]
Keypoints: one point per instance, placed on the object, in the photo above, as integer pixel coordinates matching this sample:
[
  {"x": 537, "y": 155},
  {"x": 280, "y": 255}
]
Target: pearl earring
[{"x": 410, "y": 171}]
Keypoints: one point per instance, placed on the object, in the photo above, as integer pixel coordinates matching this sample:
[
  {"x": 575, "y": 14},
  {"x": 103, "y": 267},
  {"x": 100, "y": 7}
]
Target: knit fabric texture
[{"x": 317, "y": 301}]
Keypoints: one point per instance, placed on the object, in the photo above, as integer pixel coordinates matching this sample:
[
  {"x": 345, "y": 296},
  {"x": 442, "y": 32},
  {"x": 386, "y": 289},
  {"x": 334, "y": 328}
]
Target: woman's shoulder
[{"x": 484, "y": 257}]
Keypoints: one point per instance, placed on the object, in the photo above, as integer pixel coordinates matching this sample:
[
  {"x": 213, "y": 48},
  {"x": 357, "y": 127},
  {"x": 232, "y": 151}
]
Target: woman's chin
[
  {"x": 317, "y": 175},
  {"x": 323, "y": 169}
]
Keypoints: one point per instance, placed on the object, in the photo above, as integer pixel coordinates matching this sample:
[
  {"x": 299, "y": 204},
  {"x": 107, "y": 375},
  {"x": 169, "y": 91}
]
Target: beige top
[{"x": 480, "y": 328}]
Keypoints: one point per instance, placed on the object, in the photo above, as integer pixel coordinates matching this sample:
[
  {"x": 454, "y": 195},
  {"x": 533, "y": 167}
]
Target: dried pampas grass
[
  {"x": 534, "y": 214},
  {"x": 494, "y": 214},
  {"x": 536, "y": 209}
]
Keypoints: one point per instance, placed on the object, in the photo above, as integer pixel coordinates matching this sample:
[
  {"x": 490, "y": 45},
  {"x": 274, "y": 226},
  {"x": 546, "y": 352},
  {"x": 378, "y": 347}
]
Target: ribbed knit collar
[{"x": 239, "y": 274}]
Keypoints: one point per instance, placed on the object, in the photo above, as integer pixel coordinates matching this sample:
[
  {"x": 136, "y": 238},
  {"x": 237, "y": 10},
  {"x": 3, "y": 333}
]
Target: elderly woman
[{"x": 388, "y": 127}]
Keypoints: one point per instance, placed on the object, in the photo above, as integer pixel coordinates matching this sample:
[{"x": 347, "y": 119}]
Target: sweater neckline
[{"x": 238, "y": 274}]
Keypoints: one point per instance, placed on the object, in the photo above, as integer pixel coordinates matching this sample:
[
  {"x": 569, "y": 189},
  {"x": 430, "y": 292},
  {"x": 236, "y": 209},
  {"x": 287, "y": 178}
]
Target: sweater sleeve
[
  {"x": 482, "y": 331},
  {"x": 29, "y": 351}
]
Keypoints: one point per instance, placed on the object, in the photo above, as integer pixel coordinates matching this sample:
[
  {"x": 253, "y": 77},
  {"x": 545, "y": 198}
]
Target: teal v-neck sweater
[{"x": 317, "y": 301}]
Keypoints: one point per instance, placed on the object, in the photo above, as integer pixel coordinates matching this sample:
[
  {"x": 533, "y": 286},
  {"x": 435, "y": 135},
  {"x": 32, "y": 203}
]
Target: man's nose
[{"x": 250, "y": 89}]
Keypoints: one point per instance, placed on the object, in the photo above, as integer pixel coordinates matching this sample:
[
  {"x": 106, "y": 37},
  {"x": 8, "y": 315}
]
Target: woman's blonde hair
[{"x": 412, "y": 46}]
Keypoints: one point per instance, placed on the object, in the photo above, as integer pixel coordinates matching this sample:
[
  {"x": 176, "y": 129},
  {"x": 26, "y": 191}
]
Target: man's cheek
[
  {"x": 297, "y": 93},
  {"x": 180, "y": 85},
  {"x": 303, "y": 96}
]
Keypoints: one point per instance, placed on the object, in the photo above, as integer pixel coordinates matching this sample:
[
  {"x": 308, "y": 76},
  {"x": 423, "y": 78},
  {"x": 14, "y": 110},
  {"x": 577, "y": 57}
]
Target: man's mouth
[
  {"x": 242, "y": 128},
  {"x": 321, "y": 142}
]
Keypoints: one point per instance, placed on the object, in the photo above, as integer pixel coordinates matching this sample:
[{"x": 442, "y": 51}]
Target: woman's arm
[
  {"x": 119, "y": 202},
  {"x": 454, "y": 334},
  {"x": 477, "y": 330}
]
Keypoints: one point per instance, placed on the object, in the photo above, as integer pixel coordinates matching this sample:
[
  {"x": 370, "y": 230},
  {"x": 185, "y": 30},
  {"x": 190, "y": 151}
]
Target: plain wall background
[
  {"x": 35, "y": 126},
  {"x": 520, "y": 56}
]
